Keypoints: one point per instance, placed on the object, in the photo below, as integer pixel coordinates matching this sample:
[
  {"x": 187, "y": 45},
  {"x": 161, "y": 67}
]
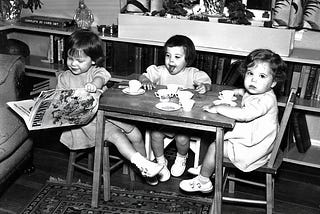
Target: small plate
[
  {"x": 168, "y": 106},
  {"x": 126, "y": 91},
  {"x": 233, "y": 98},
  {"x": 227, "y": 102}
]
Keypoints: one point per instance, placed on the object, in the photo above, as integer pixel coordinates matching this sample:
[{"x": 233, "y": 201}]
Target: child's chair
[
  {"x": 75, "y": 162},
  {"x": 194, "y": 146},
  {"x": 270, "y": 168}
]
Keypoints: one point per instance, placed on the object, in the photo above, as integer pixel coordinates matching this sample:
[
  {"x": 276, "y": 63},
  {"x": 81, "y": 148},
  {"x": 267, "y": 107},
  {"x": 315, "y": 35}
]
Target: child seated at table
[
  {"x": 249, "y": 144},
  {"x": 179, "y": 55},
  {"x": 85, "y": 70}
]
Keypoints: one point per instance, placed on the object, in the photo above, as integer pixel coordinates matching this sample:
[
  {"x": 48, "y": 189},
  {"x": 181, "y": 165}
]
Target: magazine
[{"x": 58, "y": 108}]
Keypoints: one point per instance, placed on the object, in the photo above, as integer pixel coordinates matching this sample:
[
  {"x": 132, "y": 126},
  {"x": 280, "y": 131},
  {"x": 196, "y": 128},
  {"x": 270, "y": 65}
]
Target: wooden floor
[{"x": 297, "y": 189}]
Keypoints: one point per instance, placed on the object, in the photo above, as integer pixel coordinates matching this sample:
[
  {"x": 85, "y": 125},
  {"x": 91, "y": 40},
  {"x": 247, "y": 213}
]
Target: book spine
[
  {"x": 51, "y": 52},
  {"x": 296, "y": 76},
  {"x": 306, "y": 73},
  {"x": 310, "y": 82},
  {"x": 316, "y": 86},
  {"x": 300, "y": 131}
]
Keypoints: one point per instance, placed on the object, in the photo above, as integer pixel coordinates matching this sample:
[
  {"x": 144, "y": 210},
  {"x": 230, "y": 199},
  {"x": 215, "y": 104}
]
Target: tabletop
[{"x": 114, "y": 100}]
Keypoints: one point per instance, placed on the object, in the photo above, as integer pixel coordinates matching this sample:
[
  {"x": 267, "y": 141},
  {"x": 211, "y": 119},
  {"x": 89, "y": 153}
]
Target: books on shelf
[
  {"x": 305, "y": 72},
  {"x": 301, "y": 131},
  {"x": 56, "y": 49},
  {"x": 48, "y": 21},
  {"x": 311, "y": 82},
  {"x": 57, "y": 108}
]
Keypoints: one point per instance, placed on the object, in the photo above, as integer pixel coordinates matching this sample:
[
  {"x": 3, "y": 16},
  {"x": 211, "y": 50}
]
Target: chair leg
[
  {"x": 270, "y": 193},
  {"x": 106, "y": 174},
  {"x": 127, "y": 170},
  {"x": 72, "y": 159},
  {"x": 90, "y": 161}
]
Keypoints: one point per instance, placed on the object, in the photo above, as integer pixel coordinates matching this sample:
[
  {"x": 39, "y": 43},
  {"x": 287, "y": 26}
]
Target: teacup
[
  {"x": 163, "y": 94},
  {"x": 173, "y": 88},
  {"x": 184, "y": 95},
  {"x": 134, "y": 86},
  {"x": 187, "y": 104},
  {"x": 226, "y": 94}
]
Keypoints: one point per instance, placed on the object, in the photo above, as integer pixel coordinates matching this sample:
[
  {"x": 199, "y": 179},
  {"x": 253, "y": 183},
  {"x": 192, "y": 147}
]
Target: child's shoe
[
  {"x": 179, "y": 166},
  {"x": 152, "y": 181},
  {"x": 194, "y": 185},
  {"x": 146, "y": 167},
  {"x": 164, "y": 174}
]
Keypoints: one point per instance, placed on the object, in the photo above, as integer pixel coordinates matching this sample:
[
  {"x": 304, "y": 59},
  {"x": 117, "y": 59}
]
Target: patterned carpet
[{"x": 59, "y": 198}]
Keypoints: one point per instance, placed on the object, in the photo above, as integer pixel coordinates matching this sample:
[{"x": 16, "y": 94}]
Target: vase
[
  {"x": 83, "y": 16},
  {"x": 11, "y": 12}
]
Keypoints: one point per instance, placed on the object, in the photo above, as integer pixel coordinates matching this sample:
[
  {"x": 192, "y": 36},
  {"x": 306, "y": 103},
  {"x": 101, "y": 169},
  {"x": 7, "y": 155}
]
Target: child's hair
[
  {"x": 186, "y": 43},
  {"x": 277, "y": 65},
  {"x": 86, "y": 41}
]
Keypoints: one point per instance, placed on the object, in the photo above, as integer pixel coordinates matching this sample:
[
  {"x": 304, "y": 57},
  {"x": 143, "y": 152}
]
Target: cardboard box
[{"x": 207, "y": 34}]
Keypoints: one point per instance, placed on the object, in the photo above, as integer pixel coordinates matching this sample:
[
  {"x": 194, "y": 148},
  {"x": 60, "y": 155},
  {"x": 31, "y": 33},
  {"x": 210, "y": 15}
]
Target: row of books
[
  {"x": 306, "y": 79},
  {"x": 56, "y": 49}
]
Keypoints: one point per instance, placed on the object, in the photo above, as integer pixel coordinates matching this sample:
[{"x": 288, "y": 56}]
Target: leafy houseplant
[{"x": 11, "y": 9}]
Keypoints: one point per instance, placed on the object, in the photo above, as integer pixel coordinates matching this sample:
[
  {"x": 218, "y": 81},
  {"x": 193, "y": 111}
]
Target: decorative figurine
[{"x": 83, "y": 16}]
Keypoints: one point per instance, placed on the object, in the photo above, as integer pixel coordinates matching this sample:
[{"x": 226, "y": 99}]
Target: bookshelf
[{"x": 37, "y": 68}]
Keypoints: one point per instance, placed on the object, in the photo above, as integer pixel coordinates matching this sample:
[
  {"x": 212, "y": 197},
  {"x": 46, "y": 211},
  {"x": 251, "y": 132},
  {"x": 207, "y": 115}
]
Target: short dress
[{"x": 251, "y": 141}]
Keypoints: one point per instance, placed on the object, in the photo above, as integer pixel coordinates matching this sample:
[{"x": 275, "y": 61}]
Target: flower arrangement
[{"x": 31, "y": 4}]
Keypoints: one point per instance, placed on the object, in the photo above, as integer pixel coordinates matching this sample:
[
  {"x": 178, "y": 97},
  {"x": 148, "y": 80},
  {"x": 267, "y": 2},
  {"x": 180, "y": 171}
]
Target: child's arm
[
  {"x": 146, "y": 82},
  {"x": 97, "y": 83}
]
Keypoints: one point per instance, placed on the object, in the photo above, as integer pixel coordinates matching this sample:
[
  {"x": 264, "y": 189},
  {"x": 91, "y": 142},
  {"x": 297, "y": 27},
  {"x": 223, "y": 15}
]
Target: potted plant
[{"x": 11, "y": 9}]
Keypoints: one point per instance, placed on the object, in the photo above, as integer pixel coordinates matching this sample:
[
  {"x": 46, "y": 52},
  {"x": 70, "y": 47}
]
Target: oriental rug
[{"x": 59, "y": 198}]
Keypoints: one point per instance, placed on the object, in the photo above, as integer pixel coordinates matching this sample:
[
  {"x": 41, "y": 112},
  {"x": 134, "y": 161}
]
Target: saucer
[
  {"x": 168, "y": 106},
  {"x": 127, "y": 91},
  {"x": 227, "y": 102},
  {"x": 233, "y": 98}
]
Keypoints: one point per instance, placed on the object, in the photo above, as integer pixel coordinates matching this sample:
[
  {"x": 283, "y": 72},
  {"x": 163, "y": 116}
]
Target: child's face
[
  {"x": 175, "y": 59},
  {"x": 259, "y": 79},
  {"x": 79, "y": 65}
]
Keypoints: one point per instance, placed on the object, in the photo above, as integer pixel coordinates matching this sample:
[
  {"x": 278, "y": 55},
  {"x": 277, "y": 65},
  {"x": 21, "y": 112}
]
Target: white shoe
[
  {"x": 195, "y": 170},
  {"x": 179, "y": 166},
  {"x": 149, "y": 168},
  {"x": 194, "y": 185},
  {"x": 164, "y": 174}
]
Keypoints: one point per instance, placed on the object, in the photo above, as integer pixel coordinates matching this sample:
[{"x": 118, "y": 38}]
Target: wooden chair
[
  {"x": 270, "y": 169},
  {"x": 194, "y": 146},
  {"x": 77, "y": 160}
]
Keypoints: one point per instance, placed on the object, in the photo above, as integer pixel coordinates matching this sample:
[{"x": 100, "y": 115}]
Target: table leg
[
  {"x": 98, "y": 152},
  {"x": 217, "y": 201}
]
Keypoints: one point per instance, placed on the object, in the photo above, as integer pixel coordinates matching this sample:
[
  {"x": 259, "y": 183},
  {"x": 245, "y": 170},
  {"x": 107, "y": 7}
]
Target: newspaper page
[{"x": 58, "y": 108}]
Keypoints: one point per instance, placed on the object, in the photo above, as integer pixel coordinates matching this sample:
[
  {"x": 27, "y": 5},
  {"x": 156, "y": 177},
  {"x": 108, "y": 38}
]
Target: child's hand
[
  {"x": 147, "y": 84},
  {"x": 200, "y": 88},
  {"x": 90, "y": 87},
  {"x": 209, "y": 108}
]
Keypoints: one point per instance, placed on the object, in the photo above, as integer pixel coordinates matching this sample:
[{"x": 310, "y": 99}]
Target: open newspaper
[{"x": 58, "y": 108}]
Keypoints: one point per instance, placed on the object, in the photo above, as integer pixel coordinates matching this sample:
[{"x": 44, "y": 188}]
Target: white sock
[
  {"x": 161, "y": 159},
  {"x": 181, "y": 156},
  {"x": 203, "y": 180},
  {"x": 136, "y": 158}
]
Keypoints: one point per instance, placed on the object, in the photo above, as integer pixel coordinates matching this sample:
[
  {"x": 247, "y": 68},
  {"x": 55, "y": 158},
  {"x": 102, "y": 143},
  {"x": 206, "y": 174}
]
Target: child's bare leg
[
  {"x": 209, "y": 161},
  {"x": 137, "y": 141},
  {"x": 183, "y": 145},
  {"x": 157, "y": 143}
]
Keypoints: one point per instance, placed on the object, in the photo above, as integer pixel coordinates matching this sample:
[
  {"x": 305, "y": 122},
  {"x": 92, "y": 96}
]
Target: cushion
[{"x": 6, "y": 62}]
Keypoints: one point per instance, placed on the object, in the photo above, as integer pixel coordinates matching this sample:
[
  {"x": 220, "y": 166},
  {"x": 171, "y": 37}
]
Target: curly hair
[{"x": 277, "y": 65}]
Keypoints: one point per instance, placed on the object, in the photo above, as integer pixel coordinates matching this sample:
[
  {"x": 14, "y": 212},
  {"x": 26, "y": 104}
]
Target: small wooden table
[{"x": 115, "y": 104}]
